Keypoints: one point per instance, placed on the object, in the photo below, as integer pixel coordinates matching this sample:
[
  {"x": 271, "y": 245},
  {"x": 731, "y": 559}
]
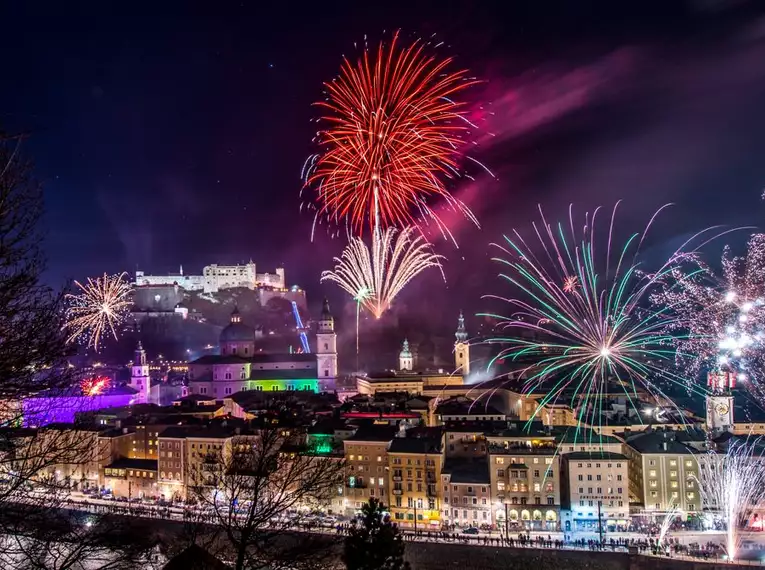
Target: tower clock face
[{"x": 722, "y": 409}]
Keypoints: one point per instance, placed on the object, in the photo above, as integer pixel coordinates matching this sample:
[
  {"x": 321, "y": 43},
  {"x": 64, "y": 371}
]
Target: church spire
[
  {"x": 461, "y": 334},
  {"x": 326, "y": 314}
]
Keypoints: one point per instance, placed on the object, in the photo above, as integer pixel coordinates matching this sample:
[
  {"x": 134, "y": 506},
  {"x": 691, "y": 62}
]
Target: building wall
[
  {"x": 130, "y": 483},
  {"x": 529, "y": 483},
  {"x": 592, "y": 482},
  {"x": 414, "y": 483},
  {"x": 171, "y": 467},
  {"x": 366, "y": 473},
  {"x": 466, "y": 504},
  {"x": 670, "y": 480}
]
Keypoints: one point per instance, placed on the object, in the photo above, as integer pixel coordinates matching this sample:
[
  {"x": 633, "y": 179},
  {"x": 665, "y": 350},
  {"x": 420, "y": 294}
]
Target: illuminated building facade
[
  {"x": 216, "y": 277},
  {"x": 597, "y": 491},
  {"x": 238, "y": 367},
  {"x": 366, "y": 457},
  {"x": 414, "y": 478},
  {"x": 663, "y": 472},
  {"x": 466, "y": 493}
]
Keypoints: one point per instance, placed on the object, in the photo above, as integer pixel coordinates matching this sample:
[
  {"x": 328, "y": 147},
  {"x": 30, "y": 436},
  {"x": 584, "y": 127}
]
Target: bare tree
[
  {"x": 44, "y": 539},
  {"x": 256, "y": 493},
  {"x": 33, "y": 360}
]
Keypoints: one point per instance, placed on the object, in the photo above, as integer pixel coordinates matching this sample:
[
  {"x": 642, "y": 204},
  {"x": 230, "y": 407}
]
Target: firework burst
[
  {"x": 578, "y": 319},
  {"x": 380, "y": 274},
  {"x": 395, "y": 135},
  {"x": 722, "y": 316},
  {"x": 95, "y": 386},
  {"x": 98, "y": 309},
  {"x": 732, "y": 485}
]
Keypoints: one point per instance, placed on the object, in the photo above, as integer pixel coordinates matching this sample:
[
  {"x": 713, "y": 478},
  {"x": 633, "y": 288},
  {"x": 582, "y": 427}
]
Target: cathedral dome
[{"x": 237, "y": 331}]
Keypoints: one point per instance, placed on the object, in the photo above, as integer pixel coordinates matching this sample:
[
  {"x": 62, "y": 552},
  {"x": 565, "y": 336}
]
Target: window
[
  {"x": 618, "y": 477},
  {"x": 500, "y": 460},
  {"x": 536, "y": 472},
  {"x": 537, "y": 487},
  {"x": 581, "y": 478}
]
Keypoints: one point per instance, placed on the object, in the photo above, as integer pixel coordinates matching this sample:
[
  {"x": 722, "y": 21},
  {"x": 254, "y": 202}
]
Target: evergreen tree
[{"x": 374, "y": 543}]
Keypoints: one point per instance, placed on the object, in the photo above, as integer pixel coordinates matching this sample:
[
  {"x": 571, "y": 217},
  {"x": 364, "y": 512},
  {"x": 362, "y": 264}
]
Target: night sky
[{"x": 171, "y": 133}]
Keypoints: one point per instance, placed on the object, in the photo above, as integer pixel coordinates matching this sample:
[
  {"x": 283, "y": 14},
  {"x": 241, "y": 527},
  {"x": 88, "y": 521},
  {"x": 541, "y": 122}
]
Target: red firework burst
[
  {"x": 95, "y": 386},
  {"x": 395, "y": 136}
]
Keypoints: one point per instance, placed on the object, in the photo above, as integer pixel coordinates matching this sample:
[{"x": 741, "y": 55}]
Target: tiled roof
[
  {"x": 415, "y": 445},
  {"x": 657, "y": 442},
  {"x": 467, "y": 471},
  {"x": 595, "y": 455},
  {"x": 373, "y": 434},
  {"x": 124, "y": 463}
]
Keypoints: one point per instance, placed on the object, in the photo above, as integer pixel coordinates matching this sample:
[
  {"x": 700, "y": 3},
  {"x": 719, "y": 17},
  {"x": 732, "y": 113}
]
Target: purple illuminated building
[{"x": 47, "y": 408}]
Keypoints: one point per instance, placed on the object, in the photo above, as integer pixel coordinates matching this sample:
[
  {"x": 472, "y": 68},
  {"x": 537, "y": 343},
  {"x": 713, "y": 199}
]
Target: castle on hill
[{"x": 216, "y": 277}]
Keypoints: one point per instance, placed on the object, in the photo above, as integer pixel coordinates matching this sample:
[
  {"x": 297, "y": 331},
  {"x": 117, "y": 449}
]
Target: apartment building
[
  {"x": 663, "y": 472},
  {"x": 466, "y": 493},
  {"x": 526, "y": 485},
  {"x": 414, "y": 479},
  {"x": 595, "y": 491},
  {"x": 172, "y": 466},
  {"x": 366, "y": 457}
]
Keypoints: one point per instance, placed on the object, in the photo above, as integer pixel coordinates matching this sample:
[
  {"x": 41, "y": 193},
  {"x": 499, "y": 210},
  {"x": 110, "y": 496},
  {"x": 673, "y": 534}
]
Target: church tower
[
  {"x": 720, "y": 402},
  {"x": 139, "y": 376},
  {"x": 326, "y": 349},
  {"x": 405, "y": 360},
  {"x": 461, "y": 348}
]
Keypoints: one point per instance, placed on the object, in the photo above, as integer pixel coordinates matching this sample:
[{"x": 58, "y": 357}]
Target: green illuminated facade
[{"x": 266, "y": 385}]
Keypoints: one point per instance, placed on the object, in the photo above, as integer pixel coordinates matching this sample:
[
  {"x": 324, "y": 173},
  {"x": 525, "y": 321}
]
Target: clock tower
[
  {"x": 326, "y": 350},
  {"x": 720, "y": 402}
]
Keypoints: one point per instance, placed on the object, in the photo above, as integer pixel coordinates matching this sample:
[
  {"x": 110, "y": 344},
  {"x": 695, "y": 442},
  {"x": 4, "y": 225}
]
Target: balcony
[
  {"x": 398, "y": 492},
  {"x": 397, "y": 478}
]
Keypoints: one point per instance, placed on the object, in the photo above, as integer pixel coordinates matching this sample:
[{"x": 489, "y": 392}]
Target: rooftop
[
  {"x": 420, "y": 445},
  {"x": 124, "y": 463},
  {"x": 657, "y": 442},
  {"x": 467, "y": 471},
  {"x": 260, "y": 358},
  {"x": 465, "y": 407},
  {"x": 595, "y": 455},
  {"x": 373, "y": 434}
]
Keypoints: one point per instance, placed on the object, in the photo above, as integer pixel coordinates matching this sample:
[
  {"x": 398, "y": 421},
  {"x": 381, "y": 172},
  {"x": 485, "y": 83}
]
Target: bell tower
[
  {"x": 326, "y": 349},
  {"x": 461, "y": 348},
  {"x": 720, "y": 401},
  {"x": 139, "y": 376},
  {"x": 405, "y": 360}
]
